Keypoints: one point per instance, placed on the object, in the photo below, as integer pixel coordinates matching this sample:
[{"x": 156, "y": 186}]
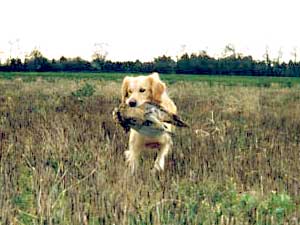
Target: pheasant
[{"x": 148, "y": 119}]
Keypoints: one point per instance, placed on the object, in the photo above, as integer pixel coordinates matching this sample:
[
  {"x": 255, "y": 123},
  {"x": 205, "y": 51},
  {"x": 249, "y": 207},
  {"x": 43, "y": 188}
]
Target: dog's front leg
[
  {"x": 132, "y": 159},
  {"x": 164, "y": 150},
  {"x": 132, "y": 155}
]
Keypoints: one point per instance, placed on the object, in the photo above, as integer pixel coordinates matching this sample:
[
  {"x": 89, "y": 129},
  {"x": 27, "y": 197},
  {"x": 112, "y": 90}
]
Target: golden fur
[{"x": 137, "y": 90}]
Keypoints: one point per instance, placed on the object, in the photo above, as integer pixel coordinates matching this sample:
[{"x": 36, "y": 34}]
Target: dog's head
[{"x": 137, "y": 90}]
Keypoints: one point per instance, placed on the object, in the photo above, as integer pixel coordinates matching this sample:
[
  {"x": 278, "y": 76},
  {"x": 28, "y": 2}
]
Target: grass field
[
  {"x": 169, "y": 78},
  {"x": 62, "y": 161}
]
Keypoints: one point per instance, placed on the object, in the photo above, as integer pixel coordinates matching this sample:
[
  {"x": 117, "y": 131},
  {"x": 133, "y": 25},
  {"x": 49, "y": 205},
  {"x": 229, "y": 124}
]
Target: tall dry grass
[{"x": 62, "y": 161}]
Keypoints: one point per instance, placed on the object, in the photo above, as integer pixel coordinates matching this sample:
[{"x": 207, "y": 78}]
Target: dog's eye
[{"x": 142, "y": 90}]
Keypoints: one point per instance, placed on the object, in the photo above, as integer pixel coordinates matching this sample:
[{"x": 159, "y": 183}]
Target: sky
[{"x": 140, "y": 29}]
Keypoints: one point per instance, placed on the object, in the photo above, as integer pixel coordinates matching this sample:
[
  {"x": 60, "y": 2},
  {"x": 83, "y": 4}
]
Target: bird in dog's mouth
[{"x": 149, "y": 119}]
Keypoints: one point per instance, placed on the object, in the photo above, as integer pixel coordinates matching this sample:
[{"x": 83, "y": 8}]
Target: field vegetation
[
  {"x": 261, "y": 81},
  {"x": 62, "y": 155}
]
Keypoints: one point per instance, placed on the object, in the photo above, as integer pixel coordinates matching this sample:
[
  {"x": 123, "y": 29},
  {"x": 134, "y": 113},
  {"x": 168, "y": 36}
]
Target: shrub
[{"x": 86, "y": 91}]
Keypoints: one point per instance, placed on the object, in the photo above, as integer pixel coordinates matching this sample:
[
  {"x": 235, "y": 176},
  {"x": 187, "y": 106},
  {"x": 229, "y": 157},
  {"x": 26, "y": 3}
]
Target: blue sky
[{"x": 138, "y": 29}]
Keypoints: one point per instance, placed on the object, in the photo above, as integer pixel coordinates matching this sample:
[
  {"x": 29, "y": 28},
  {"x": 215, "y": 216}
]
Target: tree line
[{"x": 200, "y": 63}]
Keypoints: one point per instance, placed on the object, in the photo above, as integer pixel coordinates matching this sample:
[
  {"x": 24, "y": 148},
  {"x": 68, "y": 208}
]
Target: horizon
[
  {"x": 175, "y": 58},
  {"x": 133, "y": 30}
]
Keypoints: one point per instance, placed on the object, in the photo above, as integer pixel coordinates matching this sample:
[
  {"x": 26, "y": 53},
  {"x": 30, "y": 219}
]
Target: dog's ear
[
  {"x": 157, "y": 87},
  {"x": 125, "y": 89},
  {"x": 155, "y": 75}
]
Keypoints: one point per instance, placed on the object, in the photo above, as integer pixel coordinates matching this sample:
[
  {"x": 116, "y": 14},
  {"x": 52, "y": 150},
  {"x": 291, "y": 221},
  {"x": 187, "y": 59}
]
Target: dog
[{"x": 135, "y": 92}]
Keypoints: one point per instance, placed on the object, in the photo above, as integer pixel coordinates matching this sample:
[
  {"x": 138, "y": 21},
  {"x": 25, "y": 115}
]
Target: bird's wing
[{"x": 163, "y": 115}]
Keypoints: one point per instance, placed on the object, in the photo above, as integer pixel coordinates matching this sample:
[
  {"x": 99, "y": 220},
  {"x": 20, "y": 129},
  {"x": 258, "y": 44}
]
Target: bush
[{"x": 86, "y": 91}]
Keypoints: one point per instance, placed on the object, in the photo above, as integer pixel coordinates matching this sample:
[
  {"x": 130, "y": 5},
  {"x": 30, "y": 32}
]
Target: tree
[
  {"x": 164, "y": 64},
  {"x": 100, "y": 52},
  {"x": 294, "y": 54},
  {"x": 183, "y": 64},
  {"x": 15, "y": 64},
  {"x": 99, "y": 56},
  {"x": 37, "y": 62},
  {"x": 229, "y": 51},
  {"x": 73, "y": 65},
  {"x": 268, "y": 70}
]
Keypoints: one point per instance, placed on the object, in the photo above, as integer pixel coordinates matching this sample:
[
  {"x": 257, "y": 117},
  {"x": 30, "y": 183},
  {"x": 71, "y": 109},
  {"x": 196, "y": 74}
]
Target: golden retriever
[{"x": 136, "y": 91}]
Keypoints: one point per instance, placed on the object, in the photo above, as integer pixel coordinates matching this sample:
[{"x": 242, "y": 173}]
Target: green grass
[
  {"x": 32, "y": 76},
  {"x": 170, "y": 78}
]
